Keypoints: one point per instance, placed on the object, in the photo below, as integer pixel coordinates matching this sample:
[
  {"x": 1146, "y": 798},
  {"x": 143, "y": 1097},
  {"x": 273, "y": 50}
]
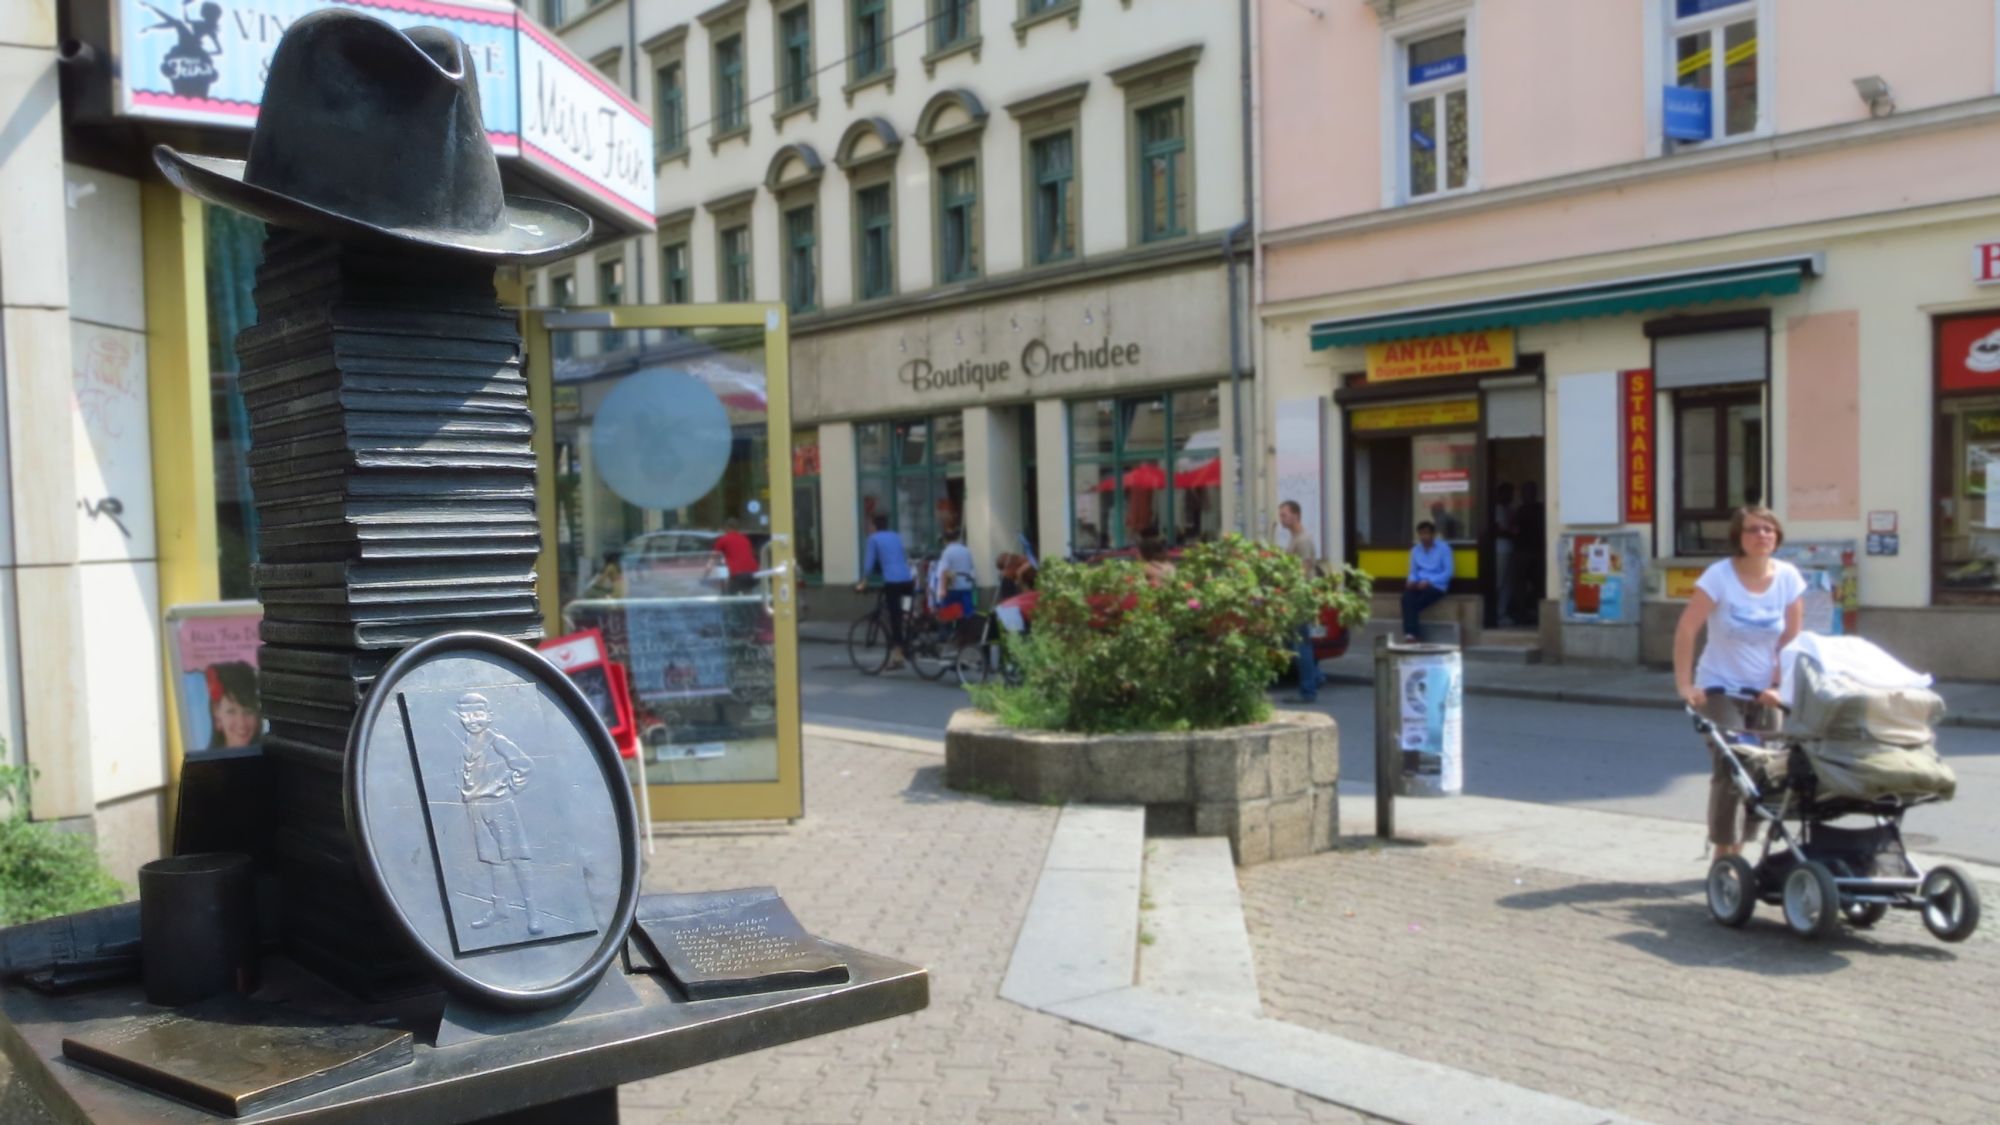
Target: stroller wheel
[
  {"x": 1812, "y": 900},
  {"x": 1732, "y": 890},
  {"x": 1951, "y": 903},
  {"x": 1862, "y": 915}
]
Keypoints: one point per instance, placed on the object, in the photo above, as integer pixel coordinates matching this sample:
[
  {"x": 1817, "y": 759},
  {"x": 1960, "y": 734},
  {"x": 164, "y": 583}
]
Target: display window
[
  {"x": 1146, "y": 465},
  {"x": 1966, "y": 562}
]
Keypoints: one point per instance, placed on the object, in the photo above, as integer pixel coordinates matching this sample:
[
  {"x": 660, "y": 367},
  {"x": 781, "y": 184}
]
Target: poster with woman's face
[{"x": 217, "y": 663}]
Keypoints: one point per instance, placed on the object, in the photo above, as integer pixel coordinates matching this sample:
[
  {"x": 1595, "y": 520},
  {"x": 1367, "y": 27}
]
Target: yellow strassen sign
[{"x": 1466, "y": 353}]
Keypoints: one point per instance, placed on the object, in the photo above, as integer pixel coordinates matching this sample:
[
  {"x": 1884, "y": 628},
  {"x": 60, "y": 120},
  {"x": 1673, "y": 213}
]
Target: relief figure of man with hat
[{"x": 492, "y": 771}]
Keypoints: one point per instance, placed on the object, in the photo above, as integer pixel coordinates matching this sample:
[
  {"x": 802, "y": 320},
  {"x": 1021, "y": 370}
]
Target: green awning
[{"x": 1772, "y": 277}]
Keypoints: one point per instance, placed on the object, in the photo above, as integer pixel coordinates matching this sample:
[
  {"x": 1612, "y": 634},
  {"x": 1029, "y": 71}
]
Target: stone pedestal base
[{"x": 1268, "y": 788}]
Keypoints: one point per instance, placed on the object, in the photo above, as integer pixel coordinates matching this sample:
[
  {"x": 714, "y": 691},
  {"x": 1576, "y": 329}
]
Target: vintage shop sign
[
  {"x": 206, "y": 63},
  {"x": 1037, "y": 358},
  {"x": 1462, "y": 353}
]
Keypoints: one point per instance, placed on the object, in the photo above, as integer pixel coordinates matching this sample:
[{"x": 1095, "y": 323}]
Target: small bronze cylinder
[{"x": 197, "y": 926}]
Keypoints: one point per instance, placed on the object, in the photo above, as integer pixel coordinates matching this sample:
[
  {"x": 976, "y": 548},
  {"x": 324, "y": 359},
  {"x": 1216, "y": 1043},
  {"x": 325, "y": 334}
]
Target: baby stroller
[{"x": 1855, "y": 753}]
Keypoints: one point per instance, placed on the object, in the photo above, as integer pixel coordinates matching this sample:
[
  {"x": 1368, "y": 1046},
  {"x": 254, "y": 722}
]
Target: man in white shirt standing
[{"x": 960, "y": 575}]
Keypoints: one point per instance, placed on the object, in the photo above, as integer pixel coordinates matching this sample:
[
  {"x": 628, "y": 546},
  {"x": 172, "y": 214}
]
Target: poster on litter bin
[{"x": 1431, "y": 702}]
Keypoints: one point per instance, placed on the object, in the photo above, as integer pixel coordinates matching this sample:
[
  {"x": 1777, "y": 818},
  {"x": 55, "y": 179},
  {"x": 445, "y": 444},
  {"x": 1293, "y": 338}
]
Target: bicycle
[{"x": 868, "y": 646}]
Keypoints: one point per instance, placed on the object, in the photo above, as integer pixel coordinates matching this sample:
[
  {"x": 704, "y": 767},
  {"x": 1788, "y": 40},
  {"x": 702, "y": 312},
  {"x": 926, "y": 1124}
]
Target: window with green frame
[
  {"x": 1163, "y": 171},
  {"x": 912, "y": 471},
  {"x": 801, "y": 257},
  {"x": 729, "y": 115},
  {"x": 1146, "y": 464},
  {"x": 1053, "y": 160},
  {"x": 734, "y": 244},
  {"x": 958, "y": 220},
  {"x": 611, "y": 291},
  {"x": 562, "y": 294},
  {"x": 674, "y": 273},
  {"x": 795, "y": 33},
  {"x": 952, "y": 23},
  {"x": 876, "y": 220},
  {"x": 870, "y": 52},
  {"x": 672, "y": 96}
]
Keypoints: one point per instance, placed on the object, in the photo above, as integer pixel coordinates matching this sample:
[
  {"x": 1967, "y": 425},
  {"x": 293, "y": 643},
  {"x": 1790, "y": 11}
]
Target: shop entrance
[
  {"x": 1410, "y": 463},
  {"x": 1445, "y": 462}
]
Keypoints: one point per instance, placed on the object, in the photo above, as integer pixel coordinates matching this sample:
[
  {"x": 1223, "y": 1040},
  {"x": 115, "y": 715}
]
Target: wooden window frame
[
  {"x": 944, "y": 161},
  {"x": 1149, "y": 84},
  {"x": 796, "y": 91},
  {"x": 1040, "y": 118},
  {"x": 884, "y": 72},
  {"x": 1721, "y": 398},
  {"x": 885, "y": 183},
  {"x": 792, "y": 244}
]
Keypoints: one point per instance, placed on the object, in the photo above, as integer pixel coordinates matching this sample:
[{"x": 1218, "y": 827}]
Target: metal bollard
[{"x": 1419, "y": 703}]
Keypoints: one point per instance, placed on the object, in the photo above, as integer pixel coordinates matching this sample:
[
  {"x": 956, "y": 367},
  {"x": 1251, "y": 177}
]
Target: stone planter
[{"x": 1269, "y": 787}]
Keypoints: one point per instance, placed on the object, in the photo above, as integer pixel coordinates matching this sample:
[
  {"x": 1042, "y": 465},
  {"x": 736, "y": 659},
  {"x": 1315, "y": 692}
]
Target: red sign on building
[
  {"x": 1636, "y": 444},
  {"x": 1969, "y": 353}
]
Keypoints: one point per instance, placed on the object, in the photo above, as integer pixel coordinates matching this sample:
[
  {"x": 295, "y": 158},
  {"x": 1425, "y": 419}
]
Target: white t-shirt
[
  {"x": 1744, "y": 629},
  {"x": 957, "y": 558}
]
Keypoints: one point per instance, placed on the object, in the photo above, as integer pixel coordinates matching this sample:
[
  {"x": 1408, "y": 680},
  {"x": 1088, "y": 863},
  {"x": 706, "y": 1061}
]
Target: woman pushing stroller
[{"x": 1752, "y": 603}]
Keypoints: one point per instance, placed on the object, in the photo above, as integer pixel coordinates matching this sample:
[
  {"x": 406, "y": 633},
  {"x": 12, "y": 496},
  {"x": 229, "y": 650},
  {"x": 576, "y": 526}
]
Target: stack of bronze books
[{"x": 395, "y": 492}]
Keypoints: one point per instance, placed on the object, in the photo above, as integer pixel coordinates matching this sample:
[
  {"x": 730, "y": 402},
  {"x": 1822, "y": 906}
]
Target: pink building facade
[{"x": 1655, "y": 259}]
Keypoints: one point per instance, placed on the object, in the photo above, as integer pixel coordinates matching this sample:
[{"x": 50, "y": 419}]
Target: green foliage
[
  {"x": 1111, "y": 651},
  {"x": 44, "y": 872}
]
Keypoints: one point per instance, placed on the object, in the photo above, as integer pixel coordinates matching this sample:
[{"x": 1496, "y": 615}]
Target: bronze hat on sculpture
[{"x": 370, "y": 132}]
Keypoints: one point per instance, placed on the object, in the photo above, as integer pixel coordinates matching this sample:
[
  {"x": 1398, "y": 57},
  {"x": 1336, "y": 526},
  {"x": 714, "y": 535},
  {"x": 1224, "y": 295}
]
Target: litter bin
[{"x": 1419, "y": 728}]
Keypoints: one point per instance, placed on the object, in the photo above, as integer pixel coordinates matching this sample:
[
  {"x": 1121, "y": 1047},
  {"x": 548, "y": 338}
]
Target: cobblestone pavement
[
  {"x": 889, "y": 860},
  {"x": 1626, "y": 996}
]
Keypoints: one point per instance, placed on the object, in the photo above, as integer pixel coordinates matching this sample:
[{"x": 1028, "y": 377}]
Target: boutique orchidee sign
[
  {"x": 1036, "y": 358},
  {"x": 205, "y": 61},
  {"x": 1462, "y": 353}
]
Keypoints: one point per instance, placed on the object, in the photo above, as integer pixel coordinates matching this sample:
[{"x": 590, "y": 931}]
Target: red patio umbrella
[
  {"x": 1139, "y": 477},
  {"x": 1205, "y": 475}
]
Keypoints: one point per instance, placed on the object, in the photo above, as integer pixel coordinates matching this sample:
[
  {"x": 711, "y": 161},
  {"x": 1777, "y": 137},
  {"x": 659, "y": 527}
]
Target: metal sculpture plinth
[{"x": 570, "y": 1071}]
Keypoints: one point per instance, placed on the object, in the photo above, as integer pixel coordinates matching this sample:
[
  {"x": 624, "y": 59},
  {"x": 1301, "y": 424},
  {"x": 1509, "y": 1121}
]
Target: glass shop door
[{"x": 665, "y": 446}]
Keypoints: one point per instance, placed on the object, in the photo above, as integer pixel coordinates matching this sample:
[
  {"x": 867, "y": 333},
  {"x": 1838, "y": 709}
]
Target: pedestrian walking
[
  {"x": 1301, "y": 548},
  {"x": 884, "y": 554},
  {"x": 734, "y": 550},
  {"x": 1753, "y": 604},
  {"x": 1430, "y": 577}
]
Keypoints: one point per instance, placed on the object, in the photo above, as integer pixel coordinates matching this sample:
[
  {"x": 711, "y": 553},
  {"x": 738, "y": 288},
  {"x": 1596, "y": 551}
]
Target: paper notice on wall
[
  {"x": 1435, "y": 481},
  {"x": 1430, "y": 735}
]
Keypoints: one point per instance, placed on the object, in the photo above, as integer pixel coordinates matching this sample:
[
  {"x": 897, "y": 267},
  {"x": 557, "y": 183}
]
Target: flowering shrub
[{"x": 1110, "y": 651}]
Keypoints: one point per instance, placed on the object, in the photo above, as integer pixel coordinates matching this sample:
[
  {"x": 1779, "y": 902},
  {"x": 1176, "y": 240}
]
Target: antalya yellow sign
[{"x": 1466, "y": 353}]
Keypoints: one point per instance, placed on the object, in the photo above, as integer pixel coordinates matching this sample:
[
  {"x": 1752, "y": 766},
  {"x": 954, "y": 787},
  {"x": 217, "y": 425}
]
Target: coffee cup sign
[{"x": 1037, "y": 358}]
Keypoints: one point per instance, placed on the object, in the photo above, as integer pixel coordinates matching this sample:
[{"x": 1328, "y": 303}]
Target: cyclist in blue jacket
[{"x": 884, "y": 552}]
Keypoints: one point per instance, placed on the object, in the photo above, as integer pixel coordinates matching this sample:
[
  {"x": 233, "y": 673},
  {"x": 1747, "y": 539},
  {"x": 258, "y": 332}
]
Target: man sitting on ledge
[{"x": 1430, "y": 577}]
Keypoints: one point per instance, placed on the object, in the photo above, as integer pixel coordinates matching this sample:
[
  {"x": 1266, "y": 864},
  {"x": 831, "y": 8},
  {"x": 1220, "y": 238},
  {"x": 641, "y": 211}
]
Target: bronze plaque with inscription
[
  {"x": 733, "y": 943},
  {"x": 234, "y": 1056}
]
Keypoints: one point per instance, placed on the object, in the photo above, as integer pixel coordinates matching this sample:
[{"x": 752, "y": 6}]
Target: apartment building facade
[
  {"x": 998, "y": 227},
  {"x": 1657, "y": 259}
]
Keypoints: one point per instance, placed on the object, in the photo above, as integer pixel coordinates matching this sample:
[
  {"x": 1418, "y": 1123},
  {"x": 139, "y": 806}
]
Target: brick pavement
[
  {"x": 889, "y": 860},
  {"x": 1627, "y": 996}
]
